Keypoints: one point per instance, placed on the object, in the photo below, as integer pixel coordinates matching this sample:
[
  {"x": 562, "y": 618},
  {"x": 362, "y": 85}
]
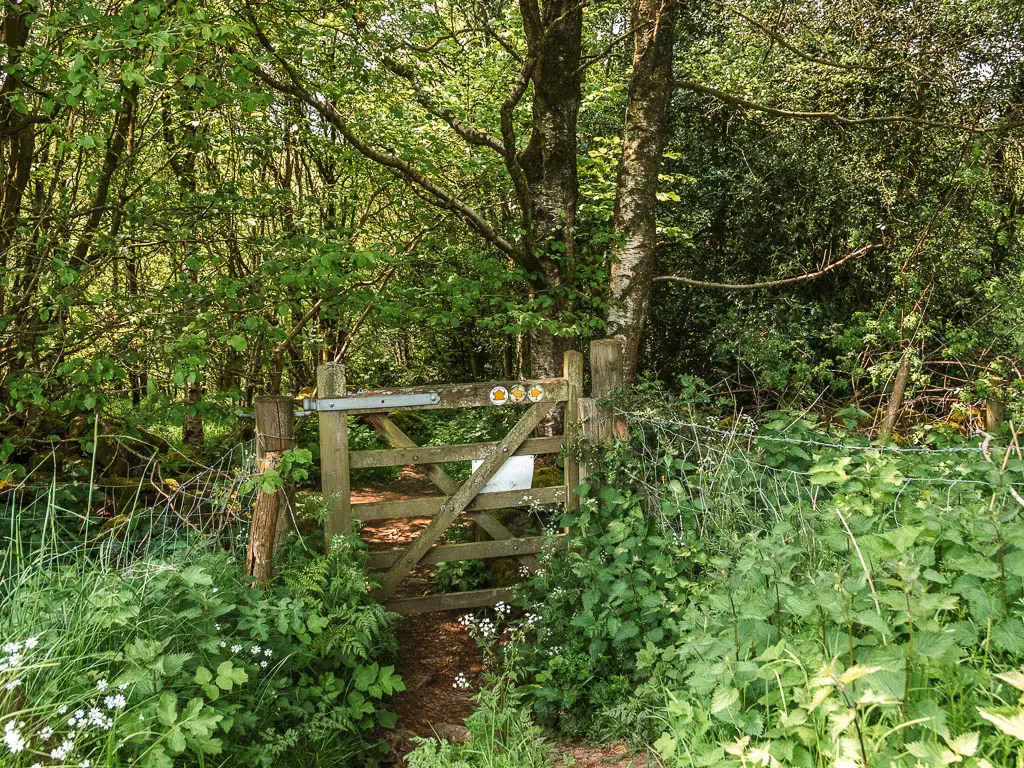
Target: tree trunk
[
  {"x": 650, "y": 92},
  {"x": 192, "y": 421},
  {"x": 549, "y": 162}
]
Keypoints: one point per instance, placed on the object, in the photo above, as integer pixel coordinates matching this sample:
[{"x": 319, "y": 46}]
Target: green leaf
[
  {"x": 203, "y": 676},
  {"x": 166, "y": 708}
]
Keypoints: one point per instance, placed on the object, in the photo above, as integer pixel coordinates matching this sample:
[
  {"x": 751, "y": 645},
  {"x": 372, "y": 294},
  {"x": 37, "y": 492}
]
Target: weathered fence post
[
  {"x": 275, "y": 434},
  {"x": 572, "y": 370},
  {"x": 589, "y": 437},
  {"x": 334, "y": 469},
  {"x": 606, "y": 376}
]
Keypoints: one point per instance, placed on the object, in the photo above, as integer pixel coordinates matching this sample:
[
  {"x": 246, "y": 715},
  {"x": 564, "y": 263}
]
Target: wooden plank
[
  {"x": 476, "y": 550},
  {"x": 399, "y": 439},
  {"x": 432, "y": 454},
  {"x": 452, "y": 508},
  {"x": 605, "y": 377},
  {"x": 334, "y": 469},
  {"x": 474, "y": 395},
  {"x": 572, "y": 366},
  {"x": 453, "y": 601},
  {"x": 431, "y": 505}
]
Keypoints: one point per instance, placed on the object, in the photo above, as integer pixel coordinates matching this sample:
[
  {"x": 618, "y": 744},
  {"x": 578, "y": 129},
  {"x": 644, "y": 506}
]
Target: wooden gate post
[
  {"x": 275, "y": 434},
  {"x": 334, "y": 469},
  {"x": 606, "y": 376},
  {"x": 572, "y": 370}
]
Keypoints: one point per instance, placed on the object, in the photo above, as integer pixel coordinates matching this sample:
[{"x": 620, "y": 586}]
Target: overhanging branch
[{"x": 770, "y": 283}]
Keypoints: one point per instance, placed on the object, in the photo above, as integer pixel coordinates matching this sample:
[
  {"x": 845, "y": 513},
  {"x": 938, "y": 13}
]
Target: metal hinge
[{"x": 361, "y": 402}]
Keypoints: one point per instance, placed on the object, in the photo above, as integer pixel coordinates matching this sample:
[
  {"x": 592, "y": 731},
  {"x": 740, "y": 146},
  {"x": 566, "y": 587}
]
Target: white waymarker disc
[
  {"x": 499, "y": 396},
  {"x": 535, "y": 393},
  {"x": 517, "y": 394}
]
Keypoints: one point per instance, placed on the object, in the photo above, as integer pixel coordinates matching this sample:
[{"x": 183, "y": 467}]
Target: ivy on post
[
  {"x": 572, "y": 366},
  {"x": 275, "y": 434},
  {"x": 334, "y": 462}
]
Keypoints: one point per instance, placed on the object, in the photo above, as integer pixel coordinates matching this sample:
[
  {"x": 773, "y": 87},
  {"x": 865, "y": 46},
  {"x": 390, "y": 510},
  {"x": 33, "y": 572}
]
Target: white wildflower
[
  {"x": 115, "y": 702},
  {"x": 85, "y": 763},
  {"x": 31, "y": 642},
  {"x": 66, "y": 748},
  {"x": 13, "y": 739},
  {"x": 101, "y": 684},
  {"x": 45, "y": 733},
  {"x": 236, "y": 648},
  {"x": 223, "y": 644},
  {"x": 268, "y": 653},
  {"x": 461, "y": 682},
  {"x": 12, "y": 647},
  {"x": 123, "y": 686},
  {"x": 263, "y": 665},
  {"x": 255, "y": 650},
  {"x": 217, "y": 627},
  {"x": 62, "y": 709}
]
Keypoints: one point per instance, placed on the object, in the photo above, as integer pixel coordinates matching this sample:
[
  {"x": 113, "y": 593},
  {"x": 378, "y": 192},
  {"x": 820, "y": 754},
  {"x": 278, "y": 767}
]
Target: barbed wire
[{"x": 638, "y": 418}]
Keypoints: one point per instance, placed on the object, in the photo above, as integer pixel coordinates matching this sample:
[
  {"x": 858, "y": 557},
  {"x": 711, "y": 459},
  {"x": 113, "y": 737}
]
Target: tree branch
[
  {"x": 327, "y": 109},
  {"x": 834, "y": 117},
  {"x": 771, "y": 283}
]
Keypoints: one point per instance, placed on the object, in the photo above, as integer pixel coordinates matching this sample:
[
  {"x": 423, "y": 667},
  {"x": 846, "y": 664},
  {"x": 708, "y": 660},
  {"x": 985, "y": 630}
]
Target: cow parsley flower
[
  {"x": 461, "y": 682},
  {"x": 115, "y": 702},
  {"x": 236, "y": 648}
]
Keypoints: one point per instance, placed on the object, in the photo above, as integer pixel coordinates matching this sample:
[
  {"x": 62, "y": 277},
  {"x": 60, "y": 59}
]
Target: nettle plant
[
  {"x": 790, "y": 602},
  {"x": 181, "y": 660}
]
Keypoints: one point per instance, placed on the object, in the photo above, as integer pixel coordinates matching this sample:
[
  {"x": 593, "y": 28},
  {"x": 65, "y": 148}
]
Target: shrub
[{"x": 178, "y": 659}]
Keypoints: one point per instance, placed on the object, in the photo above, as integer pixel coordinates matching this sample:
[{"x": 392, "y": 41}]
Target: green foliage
[
  {"x": 501, "y": 735},
  {"x": 787, "y": 595},
  {"x": 179, "y": 659}
]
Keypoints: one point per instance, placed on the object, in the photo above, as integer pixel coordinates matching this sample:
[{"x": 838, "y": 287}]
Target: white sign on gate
[{"x": 516, "y": 474}]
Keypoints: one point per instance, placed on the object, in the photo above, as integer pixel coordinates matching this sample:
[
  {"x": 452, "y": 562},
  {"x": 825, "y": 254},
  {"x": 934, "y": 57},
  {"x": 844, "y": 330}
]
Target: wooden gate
[{"x": 540, "y": 398}]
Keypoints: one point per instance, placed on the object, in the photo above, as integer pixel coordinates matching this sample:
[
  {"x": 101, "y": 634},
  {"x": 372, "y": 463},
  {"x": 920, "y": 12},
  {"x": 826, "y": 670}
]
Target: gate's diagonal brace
[
  {"x": 444, "y": 482},
  {"x": 463, "y": 496}
]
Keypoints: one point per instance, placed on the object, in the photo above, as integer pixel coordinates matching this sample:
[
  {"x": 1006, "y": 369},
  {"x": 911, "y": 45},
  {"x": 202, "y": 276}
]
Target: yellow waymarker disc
[
  {"x": 499, "y": 396},
  {"x": 535, "y": 393},
  {"x": 517, "y": 394}
]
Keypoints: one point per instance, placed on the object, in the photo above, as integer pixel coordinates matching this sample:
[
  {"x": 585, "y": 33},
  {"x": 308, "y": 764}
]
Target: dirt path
[{"x": 434, "y": 648}]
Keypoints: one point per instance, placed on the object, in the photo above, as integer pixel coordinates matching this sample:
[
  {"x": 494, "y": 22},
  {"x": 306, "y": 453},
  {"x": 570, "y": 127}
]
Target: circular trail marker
[
  {"x": 499, "y": 396},
  {"x": 517, "y": 394},
  {"x": 535, "y": 393}
]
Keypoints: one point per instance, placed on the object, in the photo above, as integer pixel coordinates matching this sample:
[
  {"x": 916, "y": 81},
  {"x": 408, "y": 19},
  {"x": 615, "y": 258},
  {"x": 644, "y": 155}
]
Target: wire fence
[
  {"x": 119, "y": 520},
  {"x": 721, "y": 481}
]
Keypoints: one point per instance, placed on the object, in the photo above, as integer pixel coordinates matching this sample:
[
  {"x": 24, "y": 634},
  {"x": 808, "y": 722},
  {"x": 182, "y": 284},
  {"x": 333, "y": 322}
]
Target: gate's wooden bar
[
  {"x": 410, "y": 606},
  {"x": 399, "y": 439},
  {"x": 334, "y": 468},
  {"x": 454, "y": 507},
  {"x": 434, "y": 454},
  {"x": 476, "y": 550},
  {"x": 428, "y": 506},
  {"x": 572, "y": 366},
  {"x": 476, "y": 395}
]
